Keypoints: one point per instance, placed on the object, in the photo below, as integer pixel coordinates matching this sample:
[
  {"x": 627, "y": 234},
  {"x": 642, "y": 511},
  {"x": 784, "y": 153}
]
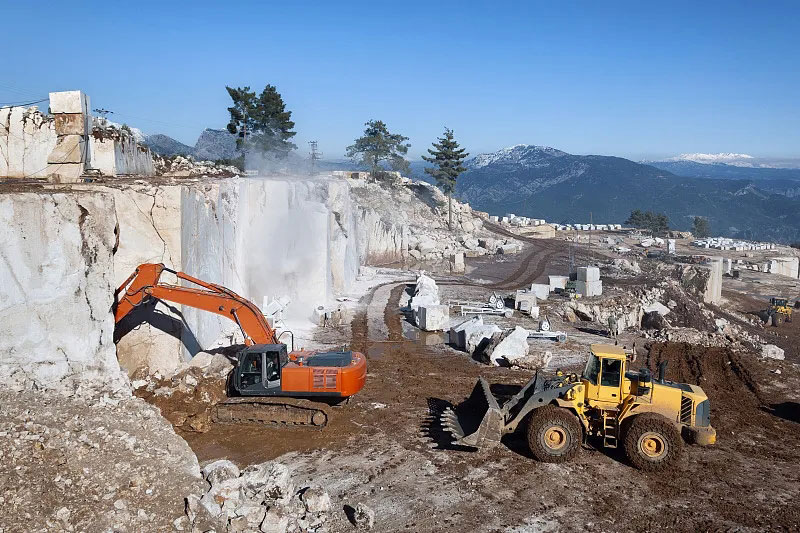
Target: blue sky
[{"x": 633, "y": 79}]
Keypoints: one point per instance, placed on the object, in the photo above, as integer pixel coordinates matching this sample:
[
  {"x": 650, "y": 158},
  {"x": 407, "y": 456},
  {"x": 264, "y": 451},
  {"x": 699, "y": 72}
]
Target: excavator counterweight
[{"x": 277, "y": 386}]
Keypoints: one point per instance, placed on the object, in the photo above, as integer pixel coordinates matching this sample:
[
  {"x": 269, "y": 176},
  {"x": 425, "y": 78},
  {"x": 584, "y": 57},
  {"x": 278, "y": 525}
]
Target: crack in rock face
[{"x": 56, "y": 290}]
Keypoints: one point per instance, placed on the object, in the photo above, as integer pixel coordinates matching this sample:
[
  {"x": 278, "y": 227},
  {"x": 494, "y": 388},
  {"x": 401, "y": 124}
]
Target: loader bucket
[{"x": 479, "y": 422}]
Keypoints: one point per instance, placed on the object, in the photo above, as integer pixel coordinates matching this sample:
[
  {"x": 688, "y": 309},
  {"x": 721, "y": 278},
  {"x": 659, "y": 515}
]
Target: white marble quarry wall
[
  {"x": 209, "y": 234},
  {"x": 27, "y": 136},
  {"x": 380, "y": 242},
  {"x": 116, "y": 153},
  {"x": 149, "y": 220},
  {"x": 56, "y": 290},
  {"x": 268, "y": 237}
]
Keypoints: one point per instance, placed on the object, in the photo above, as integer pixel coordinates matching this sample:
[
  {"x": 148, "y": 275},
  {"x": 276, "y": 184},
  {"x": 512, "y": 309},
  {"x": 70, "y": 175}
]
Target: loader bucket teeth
[{"x": 479, "y": 422}]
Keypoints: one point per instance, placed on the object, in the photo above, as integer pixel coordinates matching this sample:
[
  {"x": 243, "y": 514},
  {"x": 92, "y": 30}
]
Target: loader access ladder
[{"x": 610, "y": 429}]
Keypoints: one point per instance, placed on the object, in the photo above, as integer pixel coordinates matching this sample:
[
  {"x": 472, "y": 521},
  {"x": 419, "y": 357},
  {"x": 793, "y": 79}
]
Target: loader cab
[
  {"x": 604, "y": 375},
  {"x": 259, "y": 369}
]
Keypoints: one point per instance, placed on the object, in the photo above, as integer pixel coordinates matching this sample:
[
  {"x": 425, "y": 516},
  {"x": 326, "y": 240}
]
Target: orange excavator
[{"x": 269, "y": 384}]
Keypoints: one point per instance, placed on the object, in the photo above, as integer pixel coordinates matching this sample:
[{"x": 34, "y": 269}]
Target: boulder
[
  {"x": 316, "y": 500},
  {"x": 219, "y": 471},
  {"x": 479, "y": 335},
  {"x": 275, "y": 521},
  {"x": 426, "y": 293},
  {"x": 270, "y": 480},
  {"x": 363, "y": 517},
  {"x": 457, "y": 265},
  {"x": 508, "y": 346},
  {"x": 433, "y": 317},
  {"x": 771, "y": 351},
  {"x": 541, "y": 290},
  {"x": 507, "y": 249},
  {"x": 533, "y": 361}
]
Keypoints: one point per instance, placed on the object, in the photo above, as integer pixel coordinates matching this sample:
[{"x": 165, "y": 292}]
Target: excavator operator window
[
  {"x": 273, "y": 366},
  {"x": 611, "y": 373},
  {"x": 251, "y": 369}
]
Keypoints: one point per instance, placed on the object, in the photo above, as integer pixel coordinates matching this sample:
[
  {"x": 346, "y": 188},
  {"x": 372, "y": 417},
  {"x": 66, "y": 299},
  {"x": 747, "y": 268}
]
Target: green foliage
[
  {"x": 655, "y": 223},
  {"x": 262, "y": 120},
  {"x": 701, "y": 228},
  {"x": 237, "y": 162},
  {"x": 378, "y": 146},
  {"x": 447, "y": 157}
]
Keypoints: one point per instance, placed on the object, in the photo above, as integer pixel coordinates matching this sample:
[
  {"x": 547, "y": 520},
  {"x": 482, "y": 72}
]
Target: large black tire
[
  {"x": 554, "y": 434},
  {"x": 651, "y": 442}
]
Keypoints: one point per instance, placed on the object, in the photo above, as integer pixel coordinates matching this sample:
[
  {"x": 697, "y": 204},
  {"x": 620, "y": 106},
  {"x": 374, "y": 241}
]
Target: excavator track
[{"x": 273, "y": 411}]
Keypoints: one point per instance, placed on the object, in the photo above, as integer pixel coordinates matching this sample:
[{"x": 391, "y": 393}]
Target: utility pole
[
  {"x": 315, "y": 156},
  {"x": 103, "y": 113}
]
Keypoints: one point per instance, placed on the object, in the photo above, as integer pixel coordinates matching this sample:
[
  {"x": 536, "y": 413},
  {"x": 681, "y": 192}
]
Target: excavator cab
[{"x": 259, "y": 369}]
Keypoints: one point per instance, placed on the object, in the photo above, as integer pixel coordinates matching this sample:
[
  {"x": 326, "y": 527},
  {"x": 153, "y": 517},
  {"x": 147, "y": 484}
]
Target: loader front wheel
[
  {"x": 651, "y": 442},
  {"x": 554, "y": 434}
]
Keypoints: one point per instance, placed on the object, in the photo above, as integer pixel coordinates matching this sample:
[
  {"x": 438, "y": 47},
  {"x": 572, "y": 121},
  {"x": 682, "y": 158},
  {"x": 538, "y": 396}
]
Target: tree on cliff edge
[
  {"x": 261, "y": 122},
  {"x": 448, "y": 158},
  {"x": 377, "y": 146}
]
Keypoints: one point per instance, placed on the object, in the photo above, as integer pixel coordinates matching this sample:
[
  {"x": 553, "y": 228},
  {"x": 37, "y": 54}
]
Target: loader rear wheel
[
  {"x": 554, "y": 434},
  {"x": 651, "y": 442}
]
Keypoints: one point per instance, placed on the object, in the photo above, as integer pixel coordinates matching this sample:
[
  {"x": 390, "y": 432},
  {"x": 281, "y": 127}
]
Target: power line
[{"x": 6, "y": 105}]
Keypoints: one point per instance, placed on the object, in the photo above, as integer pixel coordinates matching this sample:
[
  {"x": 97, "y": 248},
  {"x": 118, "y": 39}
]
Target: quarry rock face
[
  {"x": 27, "y": 136},
  {"x": 267, "y": 237},
  {"x": 56, "y": 289},
  {"x": 149, "y": 228}
]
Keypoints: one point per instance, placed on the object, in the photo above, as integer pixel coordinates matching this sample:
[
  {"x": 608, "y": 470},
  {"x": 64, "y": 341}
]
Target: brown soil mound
[{"x": 725, "y": 377}]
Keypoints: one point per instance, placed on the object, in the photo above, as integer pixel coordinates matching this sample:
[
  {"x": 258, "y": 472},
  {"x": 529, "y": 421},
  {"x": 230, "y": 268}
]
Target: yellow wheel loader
[
  {"x": 649, "y": 418},
  {"x": 779, "y": 310}
]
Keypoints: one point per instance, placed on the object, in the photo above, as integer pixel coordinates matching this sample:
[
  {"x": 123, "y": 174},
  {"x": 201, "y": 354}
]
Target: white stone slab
[
  {"x": 433, "y": 317},
  {"x": 588, "y": 274}
]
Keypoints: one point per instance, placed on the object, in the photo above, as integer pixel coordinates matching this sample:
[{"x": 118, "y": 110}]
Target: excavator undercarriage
[{"x": 274, "y": 411}]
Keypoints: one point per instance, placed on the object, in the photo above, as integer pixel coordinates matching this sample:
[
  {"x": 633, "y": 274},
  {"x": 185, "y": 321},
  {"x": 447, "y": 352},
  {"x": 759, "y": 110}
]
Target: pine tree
[
  {"x": 378, "y": 145},
  {"x": 261, "y": 122},
  {"x": 701, "y": 228},
  {"x": 447, "y": 157}
]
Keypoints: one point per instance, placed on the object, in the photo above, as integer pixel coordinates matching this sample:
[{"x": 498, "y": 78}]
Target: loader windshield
[{"x": 592, "y": 369}]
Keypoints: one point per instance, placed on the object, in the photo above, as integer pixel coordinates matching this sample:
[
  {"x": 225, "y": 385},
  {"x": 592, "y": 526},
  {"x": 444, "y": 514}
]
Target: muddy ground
[{"x": 385, "y": 447}]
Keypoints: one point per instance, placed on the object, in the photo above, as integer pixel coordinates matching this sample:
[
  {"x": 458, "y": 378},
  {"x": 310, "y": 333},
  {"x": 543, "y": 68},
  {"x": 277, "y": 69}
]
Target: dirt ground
[{"x": 385, "y": 447}]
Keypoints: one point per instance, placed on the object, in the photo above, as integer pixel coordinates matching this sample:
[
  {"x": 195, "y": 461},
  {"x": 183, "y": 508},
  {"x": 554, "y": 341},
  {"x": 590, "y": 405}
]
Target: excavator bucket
[{"x": 479, "y": 422}]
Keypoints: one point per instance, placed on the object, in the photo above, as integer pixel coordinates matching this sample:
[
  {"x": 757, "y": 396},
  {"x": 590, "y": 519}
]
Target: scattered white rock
[
  {"x": 364, "y": 516},
  {"x": 508, "y": 346},
  {"x": 773, "y": 352}
]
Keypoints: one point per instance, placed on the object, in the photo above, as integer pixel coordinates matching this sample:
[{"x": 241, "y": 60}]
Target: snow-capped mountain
[
  {"x": 544, "y": 182},
  {"x": 728, "y": 158},
  {"x": 520, "y": 154}
]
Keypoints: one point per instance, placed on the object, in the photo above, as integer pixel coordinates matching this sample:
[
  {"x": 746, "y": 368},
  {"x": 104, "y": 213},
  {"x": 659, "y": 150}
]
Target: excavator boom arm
[{"x": 144, "y": 283}]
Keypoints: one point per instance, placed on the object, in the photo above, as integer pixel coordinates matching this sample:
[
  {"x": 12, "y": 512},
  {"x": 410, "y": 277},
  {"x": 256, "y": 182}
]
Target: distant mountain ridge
[
  {"x": 544, "y": 182},
  {"x": 725, "y": 171},
  {"x": 212, "y": 145}
]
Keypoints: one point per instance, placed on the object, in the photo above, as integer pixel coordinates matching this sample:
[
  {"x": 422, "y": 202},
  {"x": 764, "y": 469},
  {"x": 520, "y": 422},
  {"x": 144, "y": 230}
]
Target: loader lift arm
[{"x": 145, "y": 283}]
